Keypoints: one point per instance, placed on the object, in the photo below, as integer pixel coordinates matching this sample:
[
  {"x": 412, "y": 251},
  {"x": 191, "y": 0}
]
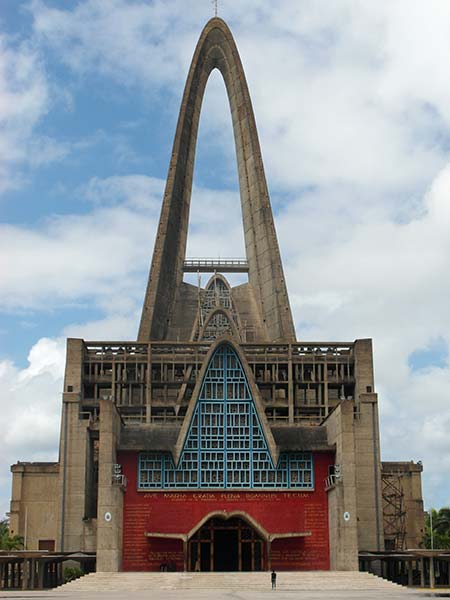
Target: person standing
[{"x": 273, "y": 578}]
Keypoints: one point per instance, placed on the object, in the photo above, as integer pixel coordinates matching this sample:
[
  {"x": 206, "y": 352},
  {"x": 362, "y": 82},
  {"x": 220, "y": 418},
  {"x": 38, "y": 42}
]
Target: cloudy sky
[{"x": 352, "y": 101}]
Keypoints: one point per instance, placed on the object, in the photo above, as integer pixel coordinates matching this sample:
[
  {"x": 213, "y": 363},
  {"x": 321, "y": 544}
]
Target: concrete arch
[
  {"x": 216, "y": 277},
  {"x": 216, "y": 49},
  {"x": 224, "y": 514},
  {"x": 228, "y": 315}
]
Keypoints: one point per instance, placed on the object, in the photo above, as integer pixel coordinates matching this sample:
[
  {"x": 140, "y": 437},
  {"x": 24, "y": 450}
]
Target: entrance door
[
  {"x": 226, "y": 545},
  {"x": 226, "y": 550}
]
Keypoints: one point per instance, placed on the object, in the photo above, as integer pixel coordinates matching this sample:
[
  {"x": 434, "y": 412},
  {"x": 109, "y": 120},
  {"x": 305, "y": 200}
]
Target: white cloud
[
  {"x": 129, "y": 42},
  {"x": 352, "y": 102},
  {"x": 96, "y": 255},
  {"x": 103, "y": 256},
  {"x": 364, "y": 96},
  {"x": 112, "y": 327},
  {"x": 23, "y": 102},
  {"x": 30, "y": 409},
  {"x": 386, "y": 280},
  {"x": 26, "y": 98}
]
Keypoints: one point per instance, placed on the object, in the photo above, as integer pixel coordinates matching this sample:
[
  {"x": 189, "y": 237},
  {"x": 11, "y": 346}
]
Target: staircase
[{"x": 289, "y": 581}]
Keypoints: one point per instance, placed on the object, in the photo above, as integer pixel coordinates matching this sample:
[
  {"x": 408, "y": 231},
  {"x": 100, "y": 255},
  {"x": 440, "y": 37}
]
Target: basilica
[{"x": 218, "y": 441}]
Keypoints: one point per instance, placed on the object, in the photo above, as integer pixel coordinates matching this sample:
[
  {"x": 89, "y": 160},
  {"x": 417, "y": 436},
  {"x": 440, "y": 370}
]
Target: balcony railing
[{"x": 210, "y": 265}]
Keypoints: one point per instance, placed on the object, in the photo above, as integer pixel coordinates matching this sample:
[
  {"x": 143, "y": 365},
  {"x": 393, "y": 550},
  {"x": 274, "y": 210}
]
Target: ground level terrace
[
  {"x": 421, "y": 567},
  {"x": 21, "y": 570}
]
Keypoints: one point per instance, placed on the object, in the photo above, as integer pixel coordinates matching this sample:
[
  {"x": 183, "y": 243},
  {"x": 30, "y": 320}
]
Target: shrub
[{"x": 71, "y": 573}]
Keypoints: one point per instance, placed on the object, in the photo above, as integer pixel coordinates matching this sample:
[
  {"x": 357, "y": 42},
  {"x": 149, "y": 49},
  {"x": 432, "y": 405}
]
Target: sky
[{"x": 352, "y": 103}]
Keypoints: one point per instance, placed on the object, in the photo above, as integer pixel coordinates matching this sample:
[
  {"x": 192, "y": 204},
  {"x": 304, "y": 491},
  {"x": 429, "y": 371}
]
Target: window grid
[{"x": 225, "y": 446}]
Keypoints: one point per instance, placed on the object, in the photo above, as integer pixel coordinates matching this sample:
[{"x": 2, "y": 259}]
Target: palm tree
[
  {"x": 9, "y": 542},
  {"x": 442, "y": 523}
]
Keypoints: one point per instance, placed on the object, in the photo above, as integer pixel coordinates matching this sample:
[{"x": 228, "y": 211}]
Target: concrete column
[
  {"x": 185, "y": 555},
  {"x": 110, "y": 496},
  {"x": 72, "y": 454},
  {"x": 40, "y": 574},
  {"x": 410, "y": 572},
  {"x": 432, "y": 582},
  {"x": 422, "y": 573},
  {"x": 367, "y": 452},
  {"x": 25, "y": 569},
  {"x": 342, "y": 498},
  {"x": 16, "y": 524},
  {"x": 290, "y": 386}
]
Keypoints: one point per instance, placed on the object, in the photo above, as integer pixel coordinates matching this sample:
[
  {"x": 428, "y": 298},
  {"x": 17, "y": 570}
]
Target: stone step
[{"x": 291, "y": 581}]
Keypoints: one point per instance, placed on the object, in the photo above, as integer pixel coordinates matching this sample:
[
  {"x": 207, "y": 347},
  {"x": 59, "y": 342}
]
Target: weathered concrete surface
[
  {"x": 409, "y": 475},
  {"x": 216, "y": 49},
  {"x": 110, "y": 495},
  {"x": 34, "y": 502}
]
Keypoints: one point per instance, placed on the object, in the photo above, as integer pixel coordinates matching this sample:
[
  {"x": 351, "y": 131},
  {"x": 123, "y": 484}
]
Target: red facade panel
[{"x": 181, "y": 511}]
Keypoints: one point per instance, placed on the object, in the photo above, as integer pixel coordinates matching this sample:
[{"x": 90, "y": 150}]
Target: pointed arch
[
  {"x": 225, "y": 300},
  {"x": 232, "y": 329},
  {"x": 254, "y": 392},
  {"x": 216, "y": 49},
  {"x": 225, "y": 441},
  {"x": 218, "y": 277}
]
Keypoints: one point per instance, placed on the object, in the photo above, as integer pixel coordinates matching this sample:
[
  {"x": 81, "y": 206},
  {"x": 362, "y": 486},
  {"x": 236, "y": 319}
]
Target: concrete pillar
[
  {"x": 410, "y": 572},
  {"x": 432, "y": 582},
  {"x": 40, "y": 574},
  {"x": 367, "y": 452},
  {"x": 422, "y": 573},
  {"x": 25, "y": 568},
  {"x": 72, "y": 455},
  {"x": 342, "y": 498},
  {"x": 110, "y": 496},
  {"x": 185, "y": 555}
]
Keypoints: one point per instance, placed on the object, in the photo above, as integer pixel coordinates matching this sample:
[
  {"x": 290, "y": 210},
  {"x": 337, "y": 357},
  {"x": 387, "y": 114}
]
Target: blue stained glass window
[{"x": 225, "y": 446}]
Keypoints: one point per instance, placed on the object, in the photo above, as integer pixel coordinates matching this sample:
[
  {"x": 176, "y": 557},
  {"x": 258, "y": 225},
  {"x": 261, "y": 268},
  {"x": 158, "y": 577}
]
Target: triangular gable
[{"x": 225, "y": 445}]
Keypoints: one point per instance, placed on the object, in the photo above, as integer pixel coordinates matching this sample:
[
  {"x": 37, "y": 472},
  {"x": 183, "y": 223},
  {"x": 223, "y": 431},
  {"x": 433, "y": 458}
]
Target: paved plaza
[{"x": 232, "y": 594}]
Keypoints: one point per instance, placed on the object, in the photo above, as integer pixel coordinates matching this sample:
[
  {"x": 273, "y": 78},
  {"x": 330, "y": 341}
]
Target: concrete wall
[
  {"x": 353, "y": 428},
  {"x": 34, "y": 502},
  {"x": 368, "y": 475},
  {"x": 342, "y": 498},
  {"x": 409, "y": 475},
  {"x": 367, "y": 451},
  {"x": 73, "y": 452},
  {"x": 110, "y": 495}
]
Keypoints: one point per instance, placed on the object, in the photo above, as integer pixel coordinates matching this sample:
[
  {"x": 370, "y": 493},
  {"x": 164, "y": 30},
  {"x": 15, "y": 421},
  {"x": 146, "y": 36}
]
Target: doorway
[{"x": 226, "y": 545}]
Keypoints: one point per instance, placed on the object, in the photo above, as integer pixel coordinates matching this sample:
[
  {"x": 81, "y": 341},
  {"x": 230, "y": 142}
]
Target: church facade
[{"x": 217, "y": 441}]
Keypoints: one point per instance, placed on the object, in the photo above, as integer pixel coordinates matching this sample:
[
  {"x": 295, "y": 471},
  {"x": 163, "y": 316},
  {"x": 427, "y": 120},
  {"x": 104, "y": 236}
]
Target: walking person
[{"x": 273, "y": 578}]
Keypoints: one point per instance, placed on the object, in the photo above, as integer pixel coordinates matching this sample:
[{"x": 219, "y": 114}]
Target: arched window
[{"x": 217, "y": 325}]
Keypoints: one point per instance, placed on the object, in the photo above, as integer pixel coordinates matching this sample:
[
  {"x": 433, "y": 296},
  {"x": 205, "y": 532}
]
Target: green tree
[
  {"x": 441, "y": 529},
  {"x": 442, "y": 525},
  {"x": 7, "y": 541}
]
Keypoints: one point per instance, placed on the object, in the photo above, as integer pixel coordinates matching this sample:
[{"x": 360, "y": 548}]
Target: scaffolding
[{"x": 394, "y": 511}]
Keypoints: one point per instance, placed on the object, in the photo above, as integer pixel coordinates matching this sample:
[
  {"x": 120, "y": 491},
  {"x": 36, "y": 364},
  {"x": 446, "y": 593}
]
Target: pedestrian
[{"x": 273, "y": 578}]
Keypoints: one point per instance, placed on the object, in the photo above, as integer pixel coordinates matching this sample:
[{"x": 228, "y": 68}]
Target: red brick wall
[{"x": 179, "y": 512}]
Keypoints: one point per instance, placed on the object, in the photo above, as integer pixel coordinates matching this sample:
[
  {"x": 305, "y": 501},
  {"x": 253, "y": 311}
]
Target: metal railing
[{"x": 209, "y": 265}]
